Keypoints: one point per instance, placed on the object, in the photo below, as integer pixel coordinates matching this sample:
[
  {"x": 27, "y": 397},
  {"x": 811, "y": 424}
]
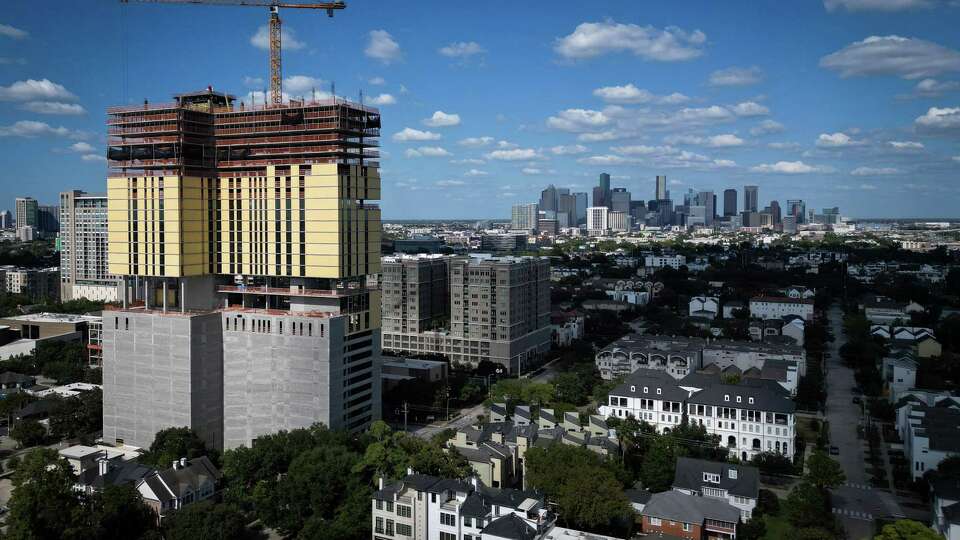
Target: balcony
[{"x": 287, "y": 291}]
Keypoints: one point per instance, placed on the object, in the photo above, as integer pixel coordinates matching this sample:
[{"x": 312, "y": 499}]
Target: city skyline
[{"x": 817, "y": 113}]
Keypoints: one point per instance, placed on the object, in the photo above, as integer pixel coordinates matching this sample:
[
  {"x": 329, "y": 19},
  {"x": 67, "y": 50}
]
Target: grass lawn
[{"x": 777, "y": 527}]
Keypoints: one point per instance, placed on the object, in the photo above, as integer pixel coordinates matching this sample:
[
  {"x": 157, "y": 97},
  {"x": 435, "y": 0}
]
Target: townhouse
[
  {"x": 423, "y": 507},
  {"x": 928, "y": 429},
  {"x": 776, "y": 307},
  {"x": 750, "y": 417},
  {"x": 186, "y": 482}
]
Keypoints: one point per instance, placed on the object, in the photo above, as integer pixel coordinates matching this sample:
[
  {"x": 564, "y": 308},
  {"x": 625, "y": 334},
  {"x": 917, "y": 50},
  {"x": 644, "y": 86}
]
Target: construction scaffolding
[{"x": 206, "y": 134}]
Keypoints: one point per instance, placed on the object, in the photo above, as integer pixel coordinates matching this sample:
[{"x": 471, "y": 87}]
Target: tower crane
[{"x": 276, "y": 72}]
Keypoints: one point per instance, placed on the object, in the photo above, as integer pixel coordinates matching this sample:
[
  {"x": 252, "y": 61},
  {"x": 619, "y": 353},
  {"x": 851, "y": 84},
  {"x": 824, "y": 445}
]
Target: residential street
[{"x": 856, "y": 503}]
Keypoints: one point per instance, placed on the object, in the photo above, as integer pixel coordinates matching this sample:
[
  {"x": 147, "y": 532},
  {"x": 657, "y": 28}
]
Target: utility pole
[{"x": 406, "y": 410}]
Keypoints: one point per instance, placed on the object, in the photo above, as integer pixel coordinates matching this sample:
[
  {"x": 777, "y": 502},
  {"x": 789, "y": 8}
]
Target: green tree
[
  {"x": 314, "y": 488},
  {"x": 12, "y": 403},
  {"x": 28, "y": 433},
  {"x": 391, "y": 453},
  {"x": 119, "y": 512},
  {"x": 906, "y": 529},
  {"x": 812, "y": 533},
  {"x": 44, "y": 503},
  {"x": 208, "y": 521},
  {"x": 583, "y": 484},
  {"x": 807, "y": 506},
  {"x": 171, "y": 444},
  {"x": 659, "y": 464},
  {"x": 823, "y": 472}
]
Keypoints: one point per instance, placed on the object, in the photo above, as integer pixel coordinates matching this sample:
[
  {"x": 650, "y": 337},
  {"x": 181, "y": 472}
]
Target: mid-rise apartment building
[
  {"x": 751, "y": 417},
  {"x": 82, "y": 244},
  {"x": 499, "y": 309},
  {"x": 524, "y": 217},
  {"x": 243, "y": 236},
  {"x": 35, "y": 283},
  {"x": 776, "y": 307}
]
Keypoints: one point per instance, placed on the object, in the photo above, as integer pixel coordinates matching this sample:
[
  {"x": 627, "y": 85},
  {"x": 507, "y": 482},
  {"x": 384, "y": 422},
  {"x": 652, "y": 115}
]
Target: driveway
[{"x": 856, "y": 503}]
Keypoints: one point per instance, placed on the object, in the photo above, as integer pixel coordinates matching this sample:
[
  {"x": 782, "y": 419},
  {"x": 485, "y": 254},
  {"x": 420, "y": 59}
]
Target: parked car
[{"x": 834, "y": 451}]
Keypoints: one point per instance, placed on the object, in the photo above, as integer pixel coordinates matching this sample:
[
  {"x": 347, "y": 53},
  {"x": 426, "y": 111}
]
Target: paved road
[
  {"x": 466, "y": 417},
  {"x": 856, "y": 502}
]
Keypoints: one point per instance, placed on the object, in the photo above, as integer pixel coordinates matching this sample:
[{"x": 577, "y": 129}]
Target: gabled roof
[
  {"x": 676, "y": 506},
  {"x": 689, "y": 475},
  {"x": 510, "y": 526},
  {"x": 173, "y": 483},
  {"x": 652, "y": 380}
]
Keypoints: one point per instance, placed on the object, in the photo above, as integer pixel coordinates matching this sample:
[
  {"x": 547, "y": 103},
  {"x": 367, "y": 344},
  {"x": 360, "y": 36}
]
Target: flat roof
[{"x": 51, "y": 318}]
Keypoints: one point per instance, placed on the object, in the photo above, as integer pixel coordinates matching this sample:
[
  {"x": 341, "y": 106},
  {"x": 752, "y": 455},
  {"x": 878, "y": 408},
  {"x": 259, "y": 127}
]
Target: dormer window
[
  {"x": 645, "y": 389},
  {"x": 726, "y": 397},
  {"x": 732, "y": 473},
  {"x": 750, "y": 400},
  {"x": 634, "y": 389},
  {"x": 659, "y": 391},
  {"x": 711, "y": 478},
  {"x": 739, "y": 399}
]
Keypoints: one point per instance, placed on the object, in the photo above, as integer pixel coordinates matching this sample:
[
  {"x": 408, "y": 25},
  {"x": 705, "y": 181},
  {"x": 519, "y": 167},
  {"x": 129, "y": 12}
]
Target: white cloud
[
  {"x": 643, "y": 150},
  {"x": 442, "y": 119},
  {"x": 301, "y": 85},
  {"x": 956, "y": 158},
  {"x": 939, "y": 119},
  {"x": 12, "y": 32},
  {"x": 32, "y": 128},
  {"x": 93, "y": 157},
  {"x": 736, "y": 76},
  {"x": 578, "y": 120},
  {"x": 906, "y": 146},
  {"x": 252, "y": 82},
  {"x": 410, "y": 134},
  {"x": 382, "y": 47},
  {"x": 608, "y": 159},
  {"x": 475, "y": 142},
  {"x": 909, "y": 58},
  {"x": 703, "y": 114},
  {"x": 461, "y": 49},
  {"x": 82, "y": 147},
  {"x": 767, "y": 127},
  {"x": 506, "y": 144},
  {"x": 749, "y": 108},
  {"x": 875, "y": 5},
  {"x": 475, "y": 172},
  {"x": 531, "y": 171},
  {"x": 874, "y": 171},
  {"x": 451, "y": 183},
  {"x": 261, "y": 39},
  {"x": 629, "y": 93},
  {"x": 516, "y": 154},
  {"x": 787, "y": 167},
  {"x": 53, "y": 107},
  {"x": 33, "y": 90},
  {"x": 783, "y": 145},
  {"x": 667, "y": 45},
  {"x": 602, "y": 136},
  {"x": 376, "y": 81},
  {"x": 836, "y": 140},
  {"x": 724, "y": 140},
  {"x": 934, "y": 88},
  {"x": 868, "y": 187},
  {"x": 724, "y": 163},
  {"x": 427, "y": 151},
  {"x": 467, "y": 161},
  {"x": 382, "y": 99},
  {"x": 567, "y": 150}
]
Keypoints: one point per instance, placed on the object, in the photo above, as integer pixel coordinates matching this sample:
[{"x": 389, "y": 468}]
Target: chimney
[
  {"x": 176, "y": 464},
  {"x": 183, "y": 462},
  {"x": 380, "y": 483},
  {"x": 103, "y": 466},
  {"x": 409, "y": 470}
]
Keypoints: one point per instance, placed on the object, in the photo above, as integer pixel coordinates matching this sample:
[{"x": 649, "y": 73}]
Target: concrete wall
[{"x": 161, "y": 371}]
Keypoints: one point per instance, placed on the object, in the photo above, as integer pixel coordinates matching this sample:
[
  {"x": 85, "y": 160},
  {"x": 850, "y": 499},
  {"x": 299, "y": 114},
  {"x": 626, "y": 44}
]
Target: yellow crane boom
[{"x": 276, "y": 70}]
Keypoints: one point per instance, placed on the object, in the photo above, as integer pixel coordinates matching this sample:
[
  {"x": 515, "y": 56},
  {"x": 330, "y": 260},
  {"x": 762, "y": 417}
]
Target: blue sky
[{"x": 854, "y": 103}]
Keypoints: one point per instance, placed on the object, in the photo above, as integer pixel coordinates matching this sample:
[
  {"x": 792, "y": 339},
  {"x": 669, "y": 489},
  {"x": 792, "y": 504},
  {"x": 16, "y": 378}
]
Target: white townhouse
[
  {"x": 660, "y": 261},
  {"x": 777, "y": 307},
  {"x": 751, "y": 417}
]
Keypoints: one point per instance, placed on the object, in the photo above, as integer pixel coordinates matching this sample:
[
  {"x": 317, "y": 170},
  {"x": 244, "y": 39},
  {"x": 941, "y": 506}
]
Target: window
[
  {"x": 379, "y": 504},
  {"x": 389, "y": 506},
  {"x": 389, "y": 531},
  {"x": 404, "y": 530},
  {"x": 379, "y": 527},
  {"x": 403, "y": 511},
  {"x": 711, "y": 478},
  {"x": 750, "y": 400},
  {"x": 467, "y": 522},
  {"x": 686, "y": 527},
  {"x": 726, "y": 397},
  {"x": 655, "y": 522},
  {"x": 448, "y": 519}
]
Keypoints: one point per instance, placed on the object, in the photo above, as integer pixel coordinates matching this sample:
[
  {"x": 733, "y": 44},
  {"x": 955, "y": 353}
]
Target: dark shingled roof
[
  {"x": 689, "y": 475},
  {"x": 126, "y": 472},
  {"x": 510, "y": 526},
  {"x": 638, "y": 496},
  {"x": 952, "y": 513},
  {"x": 653, "y": 380},
  {"x": 677, "y": 506}
]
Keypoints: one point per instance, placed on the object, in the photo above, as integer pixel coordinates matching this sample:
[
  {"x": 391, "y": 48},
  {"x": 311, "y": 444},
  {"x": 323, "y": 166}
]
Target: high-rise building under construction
[{"x": 243, "y": 237}]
